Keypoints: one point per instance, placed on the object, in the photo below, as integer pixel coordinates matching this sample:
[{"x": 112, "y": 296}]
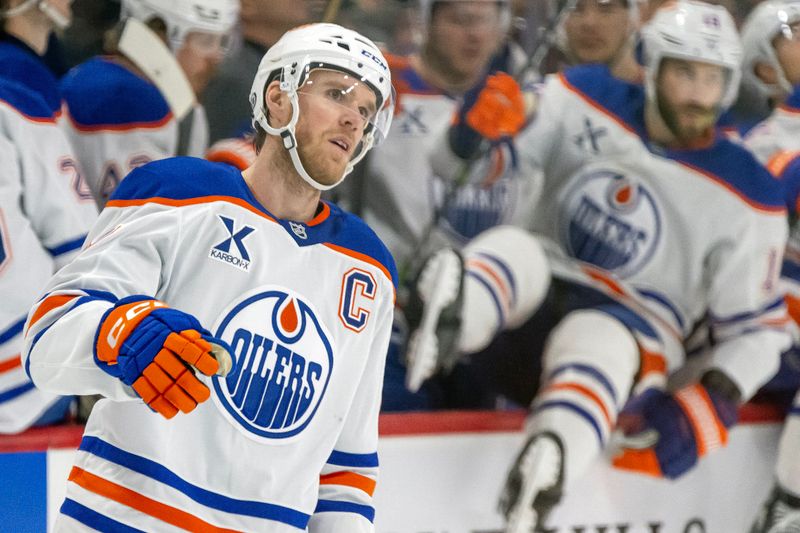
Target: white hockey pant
[
  {"x": 590, "y": 363},
  {"x": 506, "y": 278}
]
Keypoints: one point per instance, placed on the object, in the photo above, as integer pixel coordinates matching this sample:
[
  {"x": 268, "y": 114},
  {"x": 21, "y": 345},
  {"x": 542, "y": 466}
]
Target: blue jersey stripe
[
  {"x": 162, "y": 474},
  {"x": 68, "y": 246},
  {"x": 332, "y": 506},
  {"x": 93, "y": 519},
  {"x": 16, "y": 392},
  {"x": 591, "y": 372},
  {"x": 495, "y": 298},
  {"x": 719, "y": 321},
  {"x": 580, "y": 411},
  {"x": 354, "y": 460},
  {"x": 12, "y": 331}
]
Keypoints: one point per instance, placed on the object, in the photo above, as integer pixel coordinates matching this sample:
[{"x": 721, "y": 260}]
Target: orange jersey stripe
[
  {"x": 349, "y": 479},
  {"x": 594, "y": 104},
  {"x": 241, "y": 203},
  {"x": 584, "y": 391},
  {"x": 651, "y": 363},
  {"x": 155, "y": 124},
  {"x": 483, "y": 267},
  {"x": 360, "y": 257},
  {"x": 10, "y": 363},
  {"x": 141, "y": 503},
  {"x": 48, "y": 305}
]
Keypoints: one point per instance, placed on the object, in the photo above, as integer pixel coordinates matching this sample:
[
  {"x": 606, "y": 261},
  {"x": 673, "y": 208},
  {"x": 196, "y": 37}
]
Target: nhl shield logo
[
  {"x": 608, "y": 218},
  {"x": 282, "y": 362}
]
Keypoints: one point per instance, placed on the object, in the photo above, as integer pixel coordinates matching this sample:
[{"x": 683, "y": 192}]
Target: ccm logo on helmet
[{"x": 376, "y": 59}]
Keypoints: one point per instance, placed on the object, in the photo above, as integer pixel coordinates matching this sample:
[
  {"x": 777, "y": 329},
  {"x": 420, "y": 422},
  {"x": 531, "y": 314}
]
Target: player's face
[
  {"x": 688, "y": 95},
  {"x": 463, "y": 36},
  {"x": 335, "y": 110},
  {"x": 597, "y": 30},
  {"x": 199, "y": 56},
  {"x": 787, "y": 49}
]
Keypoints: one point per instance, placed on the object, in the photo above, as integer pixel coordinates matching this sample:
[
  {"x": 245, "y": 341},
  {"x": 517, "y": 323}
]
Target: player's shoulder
[
  {"x": 102, "y": 93},
  {"x": 179, "y": 179},
  {"x": 353, "y": 234},
  {"x": 738, "y": 169},
  {"x": 406, "y": 79},
  {"x": 596, "y": 84},
  {"x": 25, "y": 68},
  {"x": 20, "y": 100}
]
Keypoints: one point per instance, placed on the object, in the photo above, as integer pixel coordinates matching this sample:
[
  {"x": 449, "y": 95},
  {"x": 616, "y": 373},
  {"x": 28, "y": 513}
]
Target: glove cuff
[
  {"x": 710, "y": 431},
  {"x": 115, "y": 326}
]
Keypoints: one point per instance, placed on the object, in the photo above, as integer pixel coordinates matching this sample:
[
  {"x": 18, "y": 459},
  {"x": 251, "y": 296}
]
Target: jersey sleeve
[
  {"x": 748, "y": 316},
  {"x": 55, "y": 197},
  {"x": 128, "y": 253},
  {"x": 348, "y": 479}
]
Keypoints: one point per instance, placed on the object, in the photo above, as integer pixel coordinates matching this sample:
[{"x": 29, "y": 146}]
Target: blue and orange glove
[
  {"x": 155, "y": 350},
  {"x": 665, "y": 434},
  {"x": 494, "y": 110}
]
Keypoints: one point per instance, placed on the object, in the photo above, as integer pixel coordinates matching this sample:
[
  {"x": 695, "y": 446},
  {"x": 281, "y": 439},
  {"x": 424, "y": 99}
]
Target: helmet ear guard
[{"x": 329, "y": 47}]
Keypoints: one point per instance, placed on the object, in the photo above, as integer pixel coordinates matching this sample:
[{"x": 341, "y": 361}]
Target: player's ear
[{"x": 279, "y": 108}]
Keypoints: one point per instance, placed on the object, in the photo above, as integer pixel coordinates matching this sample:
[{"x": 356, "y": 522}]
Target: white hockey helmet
[
  {"x": 695, "y": 31},
  {"x": 766, "y": 22},
  {"x": 186, "y": 16},
  {"x": 330, "y": 47},
  {"x": 58, "y": 19},
  {"x": 426, "y": 9}
]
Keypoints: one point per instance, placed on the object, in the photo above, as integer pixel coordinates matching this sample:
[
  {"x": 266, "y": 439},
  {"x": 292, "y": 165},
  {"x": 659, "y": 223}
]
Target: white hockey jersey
[
  {"x": 406, "y": 203},
  {"x": 117, "y": 120},
  {"x": 697, "y": 233},
  {"x": 288, "y": 440},
  {"x": 776, "y": 143},
  {"x": 45, "y": 213}
]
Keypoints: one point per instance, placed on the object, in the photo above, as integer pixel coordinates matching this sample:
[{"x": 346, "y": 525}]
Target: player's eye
[
  {"x": 337, "y": 95},
  {"x": 365, "y": 114}
]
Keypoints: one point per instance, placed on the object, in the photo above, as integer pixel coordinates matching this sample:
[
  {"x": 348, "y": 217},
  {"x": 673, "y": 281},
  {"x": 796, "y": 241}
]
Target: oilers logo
[
  {"x": 282, "y": 362},
  {"x": 471, "y": 208},
  {"x": 610, "y": 220}
]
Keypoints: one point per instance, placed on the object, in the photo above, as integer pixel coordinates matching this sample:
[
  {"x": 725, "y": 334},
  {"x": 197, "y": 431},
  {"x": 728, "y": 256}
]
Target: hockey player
[
  {"x": 45, "y": 209},
  {"x": 771, "y": 36},
  {"x": 139, "y": 103},
  {"x": 602, "y": 31},
  {"x": 631, "y": 174},
  {"x": 412, "y": 209},
  {"x": 295, "y": 291},
  {"x": 27, "y": 27}
]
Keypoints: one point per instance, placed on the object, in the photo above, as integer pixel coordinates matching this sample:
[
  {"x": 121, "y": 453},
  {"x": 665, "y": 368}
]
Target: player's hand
[
  {"x": 494, "y": 110},
  {"x": 156, "y": 350},
  {"x": 665, "y": 434}
]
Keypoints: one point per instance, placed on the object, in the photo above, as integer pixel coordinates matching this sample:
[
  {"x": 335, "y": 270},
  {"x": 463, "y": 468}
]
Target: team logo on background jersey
[
  {"x": 282, "y": 362},
  {"x": 610, "y": 220},
  {"x": 233, "y": 250}
]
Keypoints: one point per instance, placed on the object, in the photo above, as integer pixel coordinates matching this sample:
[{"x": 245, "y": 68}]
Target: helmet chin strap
[
  {"x": 289, "y": 141},
  {"x": 58, "y": 19}
]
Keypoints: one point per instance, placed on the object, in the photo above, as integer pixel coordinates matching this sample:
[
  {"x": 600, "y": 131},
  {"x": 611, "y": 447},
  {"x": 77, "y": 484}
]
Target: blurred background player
[
  {"x": 604, "y": 32},
  {"x": 260, "y": 258},
  {"x": 45, "y": 207},
  {"x": 771, "y": 35},
  {"x": 29, "y": 49},
  {"x": 413, "y": 210},
  {"x": 627, "y": 169},
  {"x": 261, "y": 23},
  {"x": 136, "y": 105}
]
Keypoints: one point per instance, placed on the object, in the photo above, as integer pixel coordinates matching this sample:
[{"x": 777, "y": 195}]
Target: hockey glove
[
  {"x": 665, "y": 434},
  {"x": 494, "y": 110},
  {"x": 155, "y": 350}
]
